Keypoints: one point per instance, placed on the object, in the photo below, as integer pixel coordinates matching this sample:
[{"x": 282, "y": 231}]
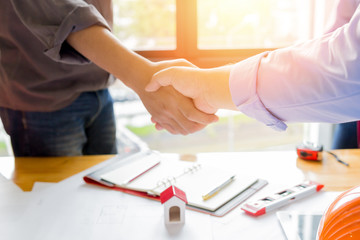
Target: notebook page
[
  {"x": 132, "y": 171},
  {"x": 194, "y": 179},
  {"x": 208, "y": 178},
  {"x": 165, "y": 172}
]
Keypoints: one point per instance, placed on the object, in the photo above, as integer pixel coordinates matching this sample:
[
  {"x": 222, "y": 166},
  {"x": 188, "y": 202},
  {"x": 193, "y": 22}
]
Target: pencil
[{"x": 218, "y": 189}]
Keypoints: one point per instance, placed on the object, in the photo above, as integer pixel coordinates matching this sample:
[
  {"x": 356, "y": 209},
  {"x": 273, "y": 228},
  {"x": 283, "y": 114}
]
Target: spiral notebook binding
[{"x": 171, "y": 180}]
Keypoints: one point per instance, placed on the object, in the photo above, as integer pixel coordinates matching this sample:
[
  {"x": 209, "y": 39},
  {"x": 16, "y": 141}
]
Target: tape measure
[{"x": 309, "y": 151}]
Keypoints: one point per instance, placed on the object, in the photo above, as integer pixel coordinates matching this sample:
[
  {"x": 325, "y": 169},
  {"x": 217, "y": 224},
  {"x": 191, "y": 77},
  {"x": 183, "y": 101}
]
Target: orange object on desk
[
  {"x": 309, "y": 151},
  {"x": 341, "y": 221},
  {"x": 309, "y": 154}
]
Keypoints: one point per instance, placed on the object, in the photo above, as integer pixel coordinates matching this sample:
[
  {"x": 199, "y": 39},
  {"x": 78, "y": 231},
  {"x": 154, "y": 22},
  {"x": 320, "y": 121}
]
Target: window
[
  {"x": 211, "y": 33},
  {"x": 242, "y": 24},
  {"x": 146, "y": 25}
]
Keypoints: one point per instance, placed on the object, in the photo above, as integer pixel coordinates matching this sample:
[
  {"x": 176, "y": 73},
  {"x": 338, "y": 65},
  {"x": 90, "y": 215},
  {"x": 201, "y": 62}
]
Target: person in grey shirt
[{"x": 57, "y": 59}]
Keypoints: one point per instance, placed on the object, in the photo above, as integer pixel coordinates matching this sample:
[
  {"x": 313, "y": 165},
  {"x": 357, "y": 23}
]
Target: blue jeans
[{"x": 85, "y": 127}]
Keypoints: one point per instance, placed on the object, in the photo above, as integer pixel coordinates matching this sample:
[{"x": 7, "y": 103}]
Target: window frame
[{"x": 186, "y": 42}]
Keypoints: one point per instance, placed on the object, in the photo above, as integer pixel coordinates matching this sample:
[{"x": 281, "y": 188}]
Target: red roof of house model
[{"x": 171, "y": 192}]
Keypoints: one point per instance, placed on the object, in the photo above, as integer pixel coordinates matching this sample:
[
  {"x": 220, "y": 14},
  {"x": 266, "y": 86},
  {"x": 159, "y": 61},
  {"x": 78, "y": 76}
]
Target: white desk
[{"x": 73, "y": 209}]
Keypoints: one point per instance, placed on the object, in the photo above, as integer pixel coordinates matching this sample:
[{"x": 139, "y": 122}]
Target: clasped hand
[
  {"x": 173, "y": 110},
  {"x": 208, "y": 88}
]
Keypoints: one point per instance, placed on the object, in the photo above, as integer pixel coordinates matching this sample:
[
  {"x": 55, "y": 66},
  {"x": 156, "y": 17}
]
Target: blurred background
[{"x": 212, "y": 33}]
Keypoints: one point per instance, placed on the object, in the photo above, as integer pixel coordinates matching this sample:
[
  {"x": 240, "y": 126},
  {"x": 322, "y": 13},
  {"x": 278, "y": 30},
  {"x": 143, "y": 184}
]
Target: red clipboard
[{"x": 95, "y": 178}]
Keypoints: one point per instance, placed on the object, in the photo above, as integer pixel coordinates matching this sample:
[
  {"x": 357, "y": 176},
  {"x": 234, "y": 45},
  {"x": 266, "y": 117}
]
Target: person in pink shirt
[{"x": 314, "y": 81}]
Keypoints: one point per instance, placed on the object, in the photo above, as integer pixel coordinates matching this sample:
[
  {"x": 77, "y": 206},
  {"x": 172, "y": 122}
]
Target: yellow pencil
[{"x": 218, "y": 189}]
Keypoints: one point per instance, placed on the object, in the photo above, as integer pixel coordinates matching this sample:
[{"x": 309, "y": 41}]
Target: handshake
[
  {"x": 180, "y": 97},
  {"x": 184, "y": 98}
]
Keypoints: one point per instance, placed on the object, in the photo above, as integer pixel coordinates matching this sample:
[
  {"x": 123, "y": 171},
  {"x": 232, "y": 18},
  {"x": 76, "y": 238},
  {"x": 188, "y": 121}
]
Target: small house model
[{"x": 174, "y": 201}]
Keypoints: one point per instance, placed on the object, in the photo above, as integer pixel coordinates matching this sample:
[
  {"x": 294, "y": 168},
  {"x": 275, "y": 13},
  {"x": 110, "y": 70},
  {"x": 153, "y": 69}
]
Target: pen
[
  {"x": 218, "y": 189},
  {"x": 141, "y": 172}
]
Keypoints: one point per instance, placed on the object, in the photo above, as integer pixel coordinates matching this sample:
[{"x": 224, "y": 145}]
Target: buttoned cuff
[{"x": 243, "y": 89}]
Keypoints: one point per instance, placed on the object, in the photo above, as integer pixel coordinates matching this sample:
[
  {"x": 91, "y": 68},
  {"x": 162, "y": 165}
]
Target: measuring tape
[
  {"x": 309, "y": 152},
  {"x": 282, "y": 198},
  {"x": 315, "y": 153}
]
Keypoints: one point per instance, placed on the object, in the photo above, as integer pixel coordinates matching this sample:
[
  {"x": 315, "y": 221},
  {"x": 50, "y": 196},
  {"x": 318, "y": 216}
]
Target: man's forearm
[
  {"x": 169, "y": 109},
  {"x": 100, "y": 46}
]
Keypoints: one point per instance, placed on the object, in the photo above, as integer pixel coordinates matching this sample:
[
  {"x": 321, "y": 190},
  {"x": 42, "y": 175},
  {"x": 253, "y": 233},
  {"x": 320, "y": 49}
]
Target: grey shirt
[{"x": 39, "y": 71}]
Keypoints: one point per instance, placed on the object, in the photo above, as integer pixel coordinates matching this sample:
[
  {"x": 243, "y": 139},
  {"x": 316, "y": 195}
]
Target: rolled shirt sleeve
[
  {"x": 51, "y": 21},
  {"x": 243, "y": 87},
  {"x": 315, "y": 81}
]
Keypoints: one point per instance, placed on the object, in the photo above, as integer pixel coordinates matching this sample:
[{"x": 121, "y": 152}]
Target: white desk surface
[{"x": 73, "y": 209}]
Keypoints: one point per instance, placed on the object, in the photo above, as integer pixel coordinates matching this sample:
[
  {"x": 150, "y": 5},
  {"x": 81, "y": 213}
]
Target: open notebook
[{"x": 152, "y": 174}]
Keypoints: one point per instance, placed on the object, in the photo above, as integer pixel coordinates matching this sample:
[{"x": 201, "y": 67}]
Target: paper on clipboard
[
  {"x": 125, "y": 175},
  {"x": 195, "y": 179}
]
